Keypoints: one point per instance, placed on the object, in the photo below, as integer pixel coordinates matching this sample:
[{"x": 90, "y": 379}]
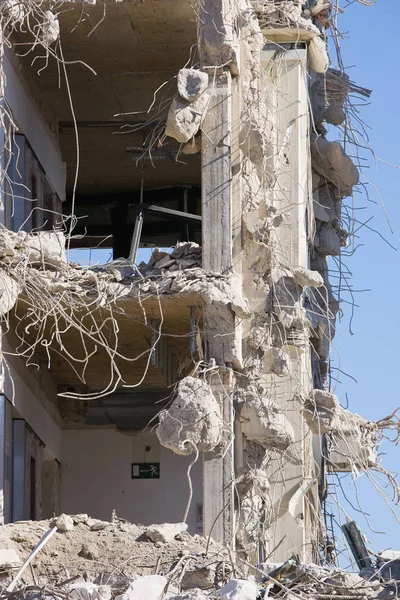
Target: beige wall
[{"x": 96, "y": 478}]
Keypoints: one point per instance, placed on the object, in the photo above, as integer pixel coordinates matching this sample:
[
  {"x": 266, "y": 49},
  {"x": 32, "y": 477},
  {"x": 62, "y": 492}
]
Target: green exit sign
[{"x": 145, "y": 470}]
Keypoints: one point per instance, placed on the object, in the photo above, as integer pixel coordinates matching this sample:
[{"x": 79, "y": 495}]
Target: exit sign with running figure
[{"x": 145, "y": 470}]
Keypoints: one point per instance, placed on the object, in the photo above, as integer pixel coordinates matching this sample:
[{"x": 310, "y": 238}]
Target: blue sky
[{"x": 372, "y": 354}]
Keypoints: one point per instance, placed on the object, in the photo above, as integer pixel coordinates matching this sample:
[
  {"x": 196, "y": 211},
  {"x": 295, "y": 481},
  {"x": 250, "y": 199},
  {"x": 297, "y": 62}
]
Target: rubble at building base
[{"x": 98, "y": 560}]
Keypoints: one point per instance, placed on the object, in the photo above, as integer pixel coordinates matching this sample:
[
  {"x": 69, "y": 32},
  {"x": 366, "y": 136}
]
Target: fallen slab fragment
[{"x": 165, "y": 532}]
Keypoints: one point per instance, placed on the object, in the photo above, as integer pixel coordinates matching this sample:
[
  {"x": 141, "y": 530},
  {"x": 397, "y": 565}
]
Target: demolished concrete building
[{"x": 193, "y": 388}]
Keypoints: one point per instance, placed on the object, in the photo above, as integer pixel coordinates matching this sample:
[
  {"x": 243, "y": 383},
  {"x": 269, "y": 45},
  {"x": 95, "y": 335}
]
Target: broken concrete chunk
[
  {"x": 263, "y": 421},
  {"x": 81, "y": 518},
  {"x": 46, "y": 248},
  {"x": 192, "y": 83},
  {"x": 259, "y": 338},
  {"x": 86, "y": 590},
  {"x": 328, "y": 95},
  {"x": 9, "y": 291},
  {"x": 330, "y": 160},
  {"x": 239, "y": 589},
  {"x": 49, "y": 30},
  {"x": 335, "y": 114},
  {"x": 164, "y": 263},
  {"x": 201, "y": 576},
  {"x": 348, "y": 584},
  {"x": 349, "y": 448},
  {"x": 96, "y": 524},
  {"x": 318, "y": 56},
  {"x": 193, "y": 420},
  {"x": 320, "y": 409},
  {"x": 327, "y": 207},
  {"x": 184, "y": 118},
  {"x": 241, "y": 307},
  {"x": 277, "y": 361},
  {"x": 255, "y": 140},
  {"x": 285, "y": 13},
  {"x": 16, "y": 9},
  {"x": 165, "y": 532},
  {"x": 89, "y": 551},
  {"x": 193, "y": 146},
  {"x": 307, "y": 278},
  {"x": 149, "y": 587},
  {"x": 9, "y": 558},
  {"x": 64, "y": 523},
  {"x": 328, "y": 240}
]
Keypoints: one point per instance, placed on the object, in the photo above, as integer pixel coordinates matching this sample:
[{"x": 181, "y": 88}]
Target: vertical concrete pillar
[
  {"x": 291, "y": 479},
  {"x": 218, "y": 471},
  {"x": 218, "y": 479},
  {"x": 216, "y": 176}
]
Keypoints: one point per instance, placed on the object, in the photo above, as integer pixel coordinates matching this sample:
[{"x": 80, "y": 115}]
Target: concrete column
[
  {"x": 218, "y": 471},
  {"x": 216, "y": 178},
  {"x": 218, "y": 505},
  {"x": 51, "y": 485},
  {"x": 292, "y": 477}
]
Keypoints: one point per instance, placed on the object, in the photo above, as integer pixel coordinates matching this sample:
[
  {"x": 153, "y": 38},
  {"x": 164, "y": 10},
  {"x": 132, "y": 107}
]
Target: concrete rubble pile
[
  {"x": 84, "y": 561},
  {"x": 185, "y": 255}
]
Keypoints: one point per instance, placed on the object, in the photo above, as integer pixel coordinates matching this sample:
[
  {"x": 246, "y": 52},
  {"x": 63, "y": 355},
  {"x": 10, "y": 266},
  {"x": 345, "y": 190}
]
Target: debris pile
[
  {"x": 185, "y": 255},
  {"x": 113, "y": 554},
  {"x": 131, "y": 562}
]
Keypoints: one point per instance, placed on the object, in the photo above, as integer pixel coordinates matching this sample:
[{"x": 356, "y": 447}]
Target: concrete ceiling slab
[{"x": 134, "y": 48}]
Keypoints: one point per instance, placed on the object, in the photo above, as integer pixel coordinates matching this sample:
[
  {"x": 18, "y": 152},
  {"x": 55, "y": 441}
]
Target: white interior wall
[{"x": 96, "y": 478}]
